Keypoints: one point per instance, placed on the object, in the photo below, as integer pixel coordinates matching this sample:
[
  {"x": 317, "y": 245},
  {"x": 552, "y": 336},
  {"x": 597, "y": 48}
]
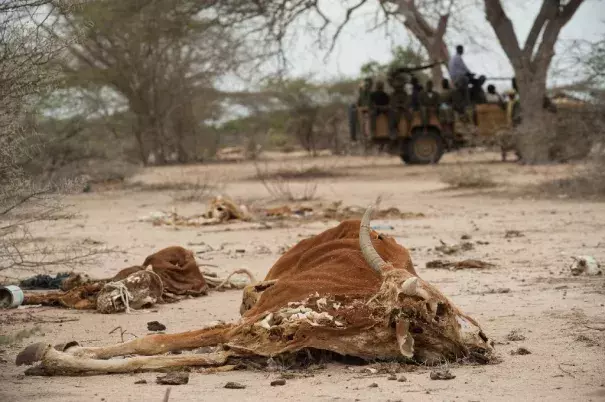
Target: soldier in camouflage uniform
[
  {"x": 429, "y": 102},
  {"x": 364, "y": 93},
  {"x": 400, "y": 103}
]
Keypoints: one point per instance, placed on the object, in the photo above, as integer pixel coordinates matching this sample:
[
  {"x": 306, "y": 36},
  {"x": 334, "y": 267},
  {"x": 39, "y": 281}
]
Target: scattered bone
[
  {"x": 335, "y": 211},
  {"x": 220, "y": 210},
  {"x": 497, "y": 291},
  {"x": 447, "y": 249},
  {"x": 173, "y": 378},
  {"x": 464, "y": 264},
  {"x": 214, "y": 282},
  {"x": 585, "y": 265},
  {"x": 443, "y": 374}
]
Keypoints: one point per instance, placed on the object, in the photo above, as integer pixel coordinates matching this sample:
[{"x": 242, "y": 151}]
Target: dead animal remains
[{"x": 347, "y": 291}]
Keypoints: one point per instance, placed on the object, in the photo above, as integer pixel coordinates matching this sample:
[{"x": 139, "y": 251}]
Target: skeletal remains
[{"x": 348, "y": 291}]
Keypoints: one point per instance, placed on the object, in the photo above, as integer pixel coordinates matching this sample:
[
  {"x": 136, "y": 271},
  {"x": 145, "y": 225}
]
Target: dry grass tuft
[
  {"x": 291, "y": 184},
  {"x": 468, "y": 176},
  {"x": 587, "y": 181}
]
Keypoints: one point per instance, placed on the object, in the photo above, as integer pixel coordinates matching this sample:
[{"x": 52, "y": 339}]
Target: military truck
[{"x": 424, "y": 136}]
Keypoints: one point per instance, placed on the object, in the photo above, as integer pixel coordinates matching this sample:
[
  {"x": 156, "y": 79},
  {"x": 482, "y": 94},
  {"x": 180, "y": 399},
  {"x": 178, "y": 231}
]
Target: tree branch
[
  {"x": 503, "y": 28},
  {"x": 547, "y": 11}
]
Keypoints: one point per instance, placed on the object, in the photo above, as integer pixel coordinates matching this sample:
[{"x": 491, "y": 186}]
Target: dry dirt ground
[{"x": 530, "y": 290}]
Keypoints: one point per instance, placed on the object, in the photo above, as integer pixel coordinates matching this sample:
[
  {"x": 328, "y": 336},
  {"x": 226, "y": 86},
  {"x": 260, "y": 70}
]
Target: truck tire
[{"x": 423, "y": 148}]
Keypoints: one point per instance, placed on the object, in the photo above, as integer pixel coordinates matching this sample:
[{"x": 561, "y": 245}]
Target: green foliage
[{"x": 400, "y": 57}]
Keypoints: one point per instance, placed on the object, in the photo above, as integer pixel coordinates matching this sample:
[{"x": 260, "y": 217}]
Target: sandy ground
[{"x": 562, "y": 317}]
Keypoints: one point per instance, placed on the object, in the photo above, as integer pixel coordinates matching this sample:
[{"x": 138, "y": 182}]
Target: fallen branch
[
  {"x": 566, "y": 372},
  {"x": 122, "y": 332}
]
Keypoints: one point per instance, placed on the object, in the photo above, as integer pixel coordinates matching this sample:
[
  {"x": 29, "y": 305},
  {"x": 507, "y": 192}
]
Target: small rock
[
  {"x": 392, "y": 377},
  {"x": 174, "y": 378},
  {"x": 465, "y": 237},
  {"x": 369, "y": 370},
  {"x": 373, "y": 385},
  {"x": 276, "y": 383},
  {"x": 520, "y": 351},
  {"x": 402, "y": 379},
  {"x": 141, "y": 381},
  {"x": 498, "y": 291},
  {"x": 234, "y": 385},
  {"x": 155, "y": 326},
  {"x": 442, "y": 375},
  {"x": 512, "y": 233}
]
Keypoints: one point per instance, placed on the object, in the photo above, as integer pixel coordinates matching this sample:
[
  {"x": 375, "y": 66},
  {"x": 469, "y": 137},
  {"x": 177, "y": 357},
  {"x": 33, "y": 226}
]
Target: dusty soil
[{"x": 559, "y": 318}]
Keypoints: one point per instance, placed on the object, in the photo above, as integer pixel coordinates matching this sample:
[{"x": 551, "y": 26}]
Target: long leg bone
[
  {"x": 147, "y": 346},
  {"x": 56, "y": 362}
]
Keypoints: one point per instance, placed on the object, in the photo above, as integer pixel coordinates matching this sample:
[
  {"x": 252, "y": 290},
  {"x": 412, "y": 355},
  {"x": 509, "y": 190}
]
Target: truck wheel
[{"x": 423, "y": 148}]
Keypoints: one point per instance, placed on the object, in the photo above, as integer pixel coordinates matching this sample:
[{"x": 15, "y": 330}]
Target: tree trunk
[
  {"x": 536, "y": 131},
  {"x": 531, "y": 63}
]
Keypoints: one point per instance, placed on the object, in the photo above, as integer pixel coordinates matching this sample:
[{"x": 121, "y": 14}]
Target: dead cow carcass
[{"x": 347, "y": 290}]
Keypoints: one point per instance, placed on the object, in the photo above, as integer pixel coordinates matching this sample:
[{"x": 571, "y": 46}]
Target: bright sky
[{"x": 357, "y": 45}]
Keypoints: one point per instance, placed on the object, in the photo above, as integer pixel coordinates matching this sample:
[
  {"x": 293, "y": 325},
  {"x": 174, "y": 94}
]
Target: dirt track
[{"x": 561, "y": 317}]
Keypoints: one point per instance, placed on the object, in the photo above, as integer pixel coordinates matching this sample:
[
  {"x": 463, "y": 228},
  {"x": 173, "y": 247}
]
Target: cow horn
[{"x": 367, "y": 249}]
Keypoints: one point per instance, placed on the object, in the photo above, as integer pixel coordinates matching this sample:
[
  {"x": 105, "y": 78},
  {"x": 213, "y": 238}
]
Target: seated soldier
[
  {"x": 494, "y": 97},
  {"x": 429, "y": 102},
  {"x": 399, "y": 108},
  {"x": 477, "y": 92},
  {"x": 364, "y": 93},
  {"x": 416, "y": 90},
  {"x": 379, "y": 100},
  {"x": 446, "y": 93}
]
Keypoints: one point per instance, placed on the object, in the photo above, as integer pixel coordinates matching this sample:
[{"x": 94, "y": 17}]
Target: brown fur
[
  {"x": 329, "y": 263},
  {"x": 176, "y": 267}
]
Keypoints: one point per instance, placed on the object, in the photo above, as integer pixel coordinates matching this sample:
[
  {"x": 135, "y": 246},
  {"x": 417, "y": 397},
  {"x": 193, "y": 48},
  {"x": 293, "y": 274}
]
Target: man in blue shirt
[{"x": 460, "y": 74}]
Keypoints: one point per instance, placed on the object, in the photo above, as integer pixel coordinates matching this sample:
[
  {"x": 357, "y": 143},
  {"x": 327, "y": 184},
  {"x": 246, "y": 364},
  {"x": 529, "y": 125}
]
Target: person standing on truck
[{"x": 460, "y": 74}]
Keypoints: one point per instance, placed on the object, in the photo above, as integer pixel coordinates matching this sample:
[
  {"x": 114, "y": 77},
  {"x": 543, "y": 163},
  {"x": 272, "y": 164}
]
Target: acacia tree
[
  {"x": 160, "y": 56},
  {"x": 531, "y": 64}
]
